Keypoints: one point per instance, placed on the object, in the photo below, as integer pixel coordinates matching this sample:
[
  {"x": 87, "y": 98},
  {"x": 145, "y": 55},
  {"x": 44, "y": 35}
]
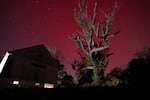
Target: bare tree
[
  {"x": 94, "y": 39},
  {"x": 56, "y": 53}
]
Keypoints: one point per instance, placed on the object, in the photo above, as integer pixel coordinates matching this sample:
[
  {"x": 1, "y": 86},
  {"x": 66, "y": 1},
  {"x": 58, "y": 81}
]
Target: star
[
  {"x": 49, "y": 9},
  {"x": 45, "y": 17},
  {"x": 36, "y": 1}
]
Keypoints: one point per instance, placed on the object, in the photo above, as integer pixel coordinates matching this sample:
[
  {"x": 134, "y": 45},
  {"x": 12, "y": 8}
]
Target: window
[
  {"x": 47, "y": 85},
  {"x": 37, "y": 84},
  {"x": 16, "y": 82}
]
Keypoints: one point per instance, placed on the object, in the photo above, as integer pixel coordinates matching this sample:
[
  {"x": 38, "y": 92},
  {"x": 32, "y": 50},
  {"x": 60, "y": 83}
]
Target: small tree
[
  {"x": 93, "y": 41},
  {"x": 64, "y": 80},
  {"x": 117, "y": 77},
  {"x": 139, "y": 67}
]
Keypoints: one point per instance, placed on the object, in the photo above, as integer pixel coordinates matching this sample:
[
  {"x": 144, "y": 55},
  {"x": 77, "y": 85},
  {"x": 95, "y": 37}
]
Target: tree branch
[
  {"x": 88, "y": 67},
  {"x": 98, "y": 49}
]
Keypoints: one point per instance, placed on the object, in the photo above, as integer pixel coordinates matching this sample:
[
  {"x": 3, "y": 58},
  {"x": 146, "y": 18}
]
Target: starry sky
[{"x": 26, "y": 23}]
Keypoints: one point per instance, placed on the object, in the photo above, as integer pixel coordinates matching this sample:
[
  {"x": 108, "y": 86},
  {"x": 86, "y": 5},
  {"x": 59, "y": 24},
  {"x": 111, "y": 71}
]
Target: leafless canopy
[{"x": 95, "y": 35}]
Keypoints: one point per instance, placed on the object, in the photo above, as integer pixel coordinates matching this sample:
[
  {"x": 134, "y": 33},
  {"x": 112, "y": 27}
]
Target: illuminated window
[
  {"x": 37, "y": 84},
  {"x": 16, "y": 82},
  {"x": 47, "y": 85},
  {"x": 4, "y": 61}
]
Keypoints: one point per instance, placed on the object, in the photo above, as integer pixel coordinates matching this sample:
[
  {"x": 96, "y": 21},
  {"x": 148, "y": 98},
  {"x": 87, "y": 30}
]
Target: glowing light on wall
[
  {"x": 4, "y": 61},
  {"x": 37, "y": 84}
]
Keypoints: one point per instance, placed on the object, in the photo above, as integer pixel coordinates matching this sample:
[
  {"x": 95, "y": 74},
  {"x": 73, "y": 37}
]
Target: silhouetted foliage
[
  {"x": 63, "y": 79},
  {"x": 67, "y": 82},
  {"x": 144, "y": 54},
  {"x": 138, "y": 72},
  {"x": 84, "y": 77},
  {"x": 117, "y": 77},
  {"x": 135, "y": 75},
  {"x": 139, "y": 69}
]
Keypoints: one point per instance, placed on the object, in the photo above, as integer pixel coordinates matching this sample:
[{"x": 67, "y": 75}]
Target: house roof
[{"x": 38, "y": 52}]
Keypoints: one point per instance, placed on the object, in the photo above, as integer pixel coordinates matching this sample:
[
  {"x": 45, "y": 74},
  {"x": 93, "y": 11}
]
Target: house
[{"x": 29, "y": 67}]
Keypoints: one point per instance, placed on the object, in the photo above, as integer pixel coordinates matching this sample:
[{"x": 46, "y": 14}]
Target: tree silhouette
[
  {"x": 117, "y": 77},
  {"x": 64, "y": 80},
  {"x": 94, "y": 40},
  {"x": 139, "y": 68},
  {"x": 84, "y": 77}
]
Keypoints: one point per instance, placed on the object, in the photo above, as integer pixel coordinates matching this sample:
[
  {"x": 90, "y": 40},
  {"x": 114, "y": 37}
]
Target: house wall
[{"x": 25, "y": 69}]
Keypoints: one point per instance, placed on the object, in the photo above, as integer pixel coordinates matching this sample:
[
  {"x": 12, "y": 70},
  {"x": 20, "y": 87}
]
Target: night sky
[{"x": 26, "y": 23}]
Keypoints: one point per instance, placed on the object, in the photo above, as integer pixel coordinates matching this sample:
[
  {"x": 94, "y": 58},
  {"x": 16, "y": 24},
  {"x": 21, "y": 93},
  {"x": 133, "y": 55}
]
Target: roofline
[{"x": 27, "y": 47}]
